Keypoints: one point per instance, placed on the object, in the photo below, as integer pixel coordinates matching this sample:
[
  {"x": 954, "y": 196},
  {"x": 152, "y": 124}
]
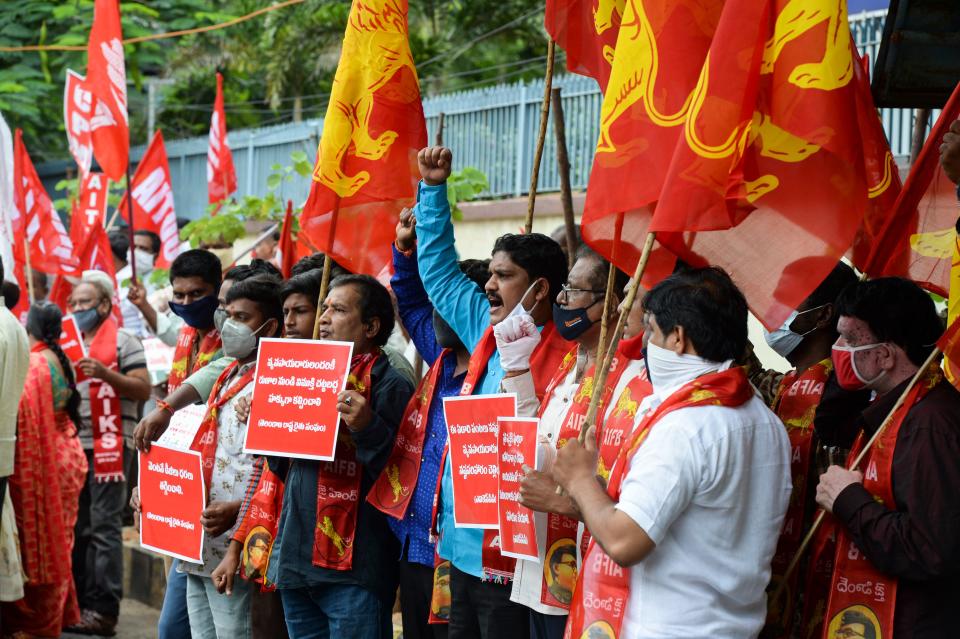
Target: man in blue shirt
[
  {"x": 524, "y": 268},
  {"x": 432, "y": 336}
]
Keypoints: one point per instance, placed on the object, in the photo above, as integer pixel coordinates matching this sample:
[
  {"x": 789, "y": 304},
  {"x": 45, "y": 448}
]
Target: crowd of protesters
[{"x": 677, "y": 515}]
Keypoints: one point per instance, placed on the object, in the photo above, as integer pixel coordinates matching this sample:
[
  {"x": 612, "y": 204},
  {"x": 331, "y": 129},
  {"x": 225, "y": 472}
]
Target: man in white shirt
[
  {"x": 686, "y": 528},
  {"x": 14, "y": 362}
]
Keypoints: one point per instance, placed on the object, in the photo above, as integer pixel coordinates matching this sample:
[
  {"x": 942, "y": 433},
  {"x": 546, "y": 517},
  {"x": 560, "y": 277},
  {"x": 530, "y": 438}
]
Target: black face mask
[
  {"x": 571, "y": 323},
  {"x": 446, "y": 337}
]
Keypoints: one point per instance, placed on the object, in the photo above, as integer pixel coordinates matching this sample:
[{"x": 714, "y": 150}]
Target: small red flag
[
  {"x": 107, "y": 81},
  {"x": 51, "y": 250},
  {"x": 221, "y": 175},
  {"x": 587, "y": 31},
  {"x": 366, "y": 170},
  {"x": 153, "y": 200},
  {"x": 89, "y": 209},
  {"x": 287, "y": 250}
]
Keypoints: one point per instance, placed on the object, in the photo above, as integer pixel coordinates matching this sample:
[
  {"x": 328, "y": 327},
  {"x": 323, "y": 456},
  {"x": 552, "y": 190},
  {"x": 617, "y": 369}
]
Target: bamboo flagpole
[
  {"x": 29, "y": 268},
  {"x": 327, "y": 267},
  {"x": 808, "y": 538},
  {"x": 611, "y": 347},
  {"x": 563, "y": 168},
  {"x": 541, "y": 136},
  {"x": 133, "y": 262}
]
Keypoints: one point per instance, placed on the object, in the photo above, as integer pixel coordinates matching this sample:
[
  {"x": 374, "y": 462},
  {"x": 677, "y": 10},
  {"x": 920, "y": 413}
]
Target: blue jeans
[
  {"x": 216, "y": 616},
  {"x": 174, "y": 620},
  {"x": 335, "y": 610}
]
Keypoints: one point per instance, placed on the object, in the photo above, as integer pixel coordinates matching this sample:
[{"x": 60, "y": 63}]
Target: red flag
[
  {"x": 107, "y": 81},
  {"x": 89, "y": 208},
  {"x": 918, "y": 239},
  {"x": 153, "y": 200},
  {"x": 221, "y": 176},
  {"x": 742, "y": 118},
  {"x": 587, "y": 31},
  {"x": 286, "y": 250},
  {"x": 34, "y": 218},
  {"x": 366, "y": 169},
  {"x": 77, "y": 115}
]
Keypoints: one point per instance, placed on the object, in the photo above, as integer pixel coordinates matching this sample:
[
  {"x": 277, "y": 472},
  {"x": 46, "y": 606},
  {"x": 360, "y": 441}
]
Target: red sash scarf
[
  {"x": 394, "y": 488},
  {"x": 614, "y": 429},
  {"x": 560, "y": 559},
  {"x": 602, "y": 583},
  {"x": 106, "y": 417},
  {"x": 338, "y": 486},
  {"x": 205, "y": 440},
  {"x": 187, "y": 341},
  {"x": 859, "y": 593},
  {"x": 798, "y": 396}
]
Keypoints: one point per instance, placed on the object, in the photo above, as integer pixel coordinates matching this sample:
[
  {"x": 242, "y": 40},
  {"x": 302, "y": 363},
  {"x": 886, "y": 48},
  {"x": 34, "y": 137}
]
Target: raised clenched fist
[{"x": 435, "y": 164}]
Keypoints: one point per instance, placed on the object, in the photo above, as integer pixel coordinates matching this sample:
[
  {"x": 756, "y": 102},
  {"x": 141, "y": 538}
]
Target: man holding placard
[
  {"x": 253, "y": 311},
  {"x": 334, "y": 558}
]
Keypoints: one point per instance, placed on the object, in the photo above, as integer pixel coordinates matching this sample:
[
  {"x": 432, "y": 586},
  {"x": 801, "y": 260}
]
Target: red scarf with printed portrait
[
  {"x": 559, "y": 572},
  {"x": 857, "y": 588},
  {"x": 600, "y": 578},
  {"x": 106, "y": 416}
]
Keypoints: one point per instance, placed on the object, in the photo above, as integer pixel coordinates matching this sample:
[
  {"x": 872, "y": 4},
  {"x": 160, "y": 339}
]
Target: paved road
[{"x": 137, "y": 621}]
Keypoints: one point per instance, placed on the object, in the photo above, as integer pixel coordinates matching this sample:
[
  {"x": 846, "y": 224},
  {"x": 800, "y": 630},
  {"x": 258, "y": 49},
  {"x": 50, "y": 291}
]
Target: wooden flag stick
[
  {"x": 563, "y": 168},
  {"x": 607, "y": 307},
  {"x": 931, "y": 360},
  {"x": 133, "y": 262},
  {"x": 439, "y": 136},
  {"x": 541, "y": 136},
  {"x": 29, "y": 274},
  {"x": 611, "y": 346},
  {"x": 324, "y": 285}
]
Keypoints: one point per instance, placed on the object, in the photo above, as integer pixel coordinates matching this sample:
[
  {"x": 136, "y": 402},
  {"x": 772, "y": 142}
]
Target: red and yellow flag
[
  {"x": 734, "y": 126},
  {"x": 366, "y": 169},
  {"x": 917, "y": 241},
  {"x": 587, "y": 31}
]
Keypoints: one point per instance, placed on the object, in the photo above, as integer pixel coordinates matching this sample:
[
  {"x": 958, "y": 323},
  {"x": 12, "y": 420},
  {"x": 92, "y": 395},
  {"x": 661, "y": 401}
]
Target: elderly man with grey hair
[{"x": 113, "y": 384}]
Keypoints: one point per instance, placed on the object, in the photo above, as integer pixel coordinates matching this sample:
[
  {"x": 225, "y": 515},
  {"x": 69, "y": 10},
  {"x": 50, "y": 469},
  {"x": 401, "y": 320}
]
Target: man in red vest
[{"x": 898, "y": 514}]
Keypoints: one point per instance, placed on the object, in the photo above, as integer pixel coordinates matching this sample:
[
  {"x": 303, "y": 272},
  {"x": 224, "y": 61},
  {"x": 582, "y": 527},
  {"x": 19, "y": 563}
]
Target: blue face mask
[
  {"x": 87, "y": 319},
  {"x": 571, "y": 323},
  {"x": 197, "y": 314}
]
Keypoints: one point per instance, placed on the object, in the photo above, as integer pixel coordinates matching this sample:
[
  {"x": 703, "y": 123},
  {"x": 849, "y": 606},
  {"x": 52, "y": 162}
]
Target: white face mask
[
  {"x": 669, "y": 370},
  {"x": 143, "y": 260},
  {"x": 784, "y": 340},
  {"x": 519, "y": 309}
]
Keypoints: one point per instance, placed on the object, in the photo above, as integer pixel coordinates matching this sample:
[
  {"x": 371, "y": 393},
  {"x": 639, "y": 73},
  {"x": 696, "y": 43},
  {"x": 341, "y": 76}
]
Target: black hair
[
  {"x": 599, "y": 275},
  {"x": 10, "y": 292},
  {"x": 306, "y": 284},
  {"x": 1, "y": 271},
  {"x": 375, "y": 301},
  {"x": 264, "y": 291},
  {"x": 45, "y": 322},
  {"x": 855, "y": 616},
  {"x": 255, "y": 267},
  {"x": 154, "y": 239},
  {"x": 119, "y": 243},
  {"x": 538, "y": 255},
  {"x": 476, "y": 270},
  {"x": 897, "y": 311},
  {"x": 709, "y": 307},
  {"x": 276, "y": 236},
  {"x": 830, "y": 288},
  {"x": 197, "y": 263},
  {"x": 315, "y": 261}
]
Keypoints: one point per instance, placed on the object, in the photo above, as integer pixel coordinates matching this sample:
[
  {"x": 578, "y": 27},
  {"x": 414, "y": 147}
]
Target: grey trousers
[{"x": 98, "y": 550}]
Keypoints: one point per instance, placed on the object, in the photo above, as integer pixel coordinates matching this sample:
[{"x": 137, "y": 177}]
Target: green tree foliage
[{"x": 277, "y": 67}]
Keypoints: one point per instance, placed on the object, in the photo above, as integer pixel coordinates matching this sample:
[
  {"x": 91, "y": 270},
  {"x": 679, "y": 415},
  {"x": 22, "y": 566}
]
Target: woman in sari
[{"x": 49, "y": 472}]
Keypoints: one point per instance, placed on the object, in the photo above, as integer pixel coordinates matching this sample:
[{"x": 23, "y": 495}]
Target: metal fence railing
[{"x": 493, "y": 129}]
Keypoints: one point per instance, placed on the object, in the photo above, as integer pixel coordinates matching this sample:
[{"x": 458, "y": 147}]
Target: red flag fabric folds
[
  {"x": 107, "y": 81},
  {"x": 153, "y": 200},
  {"x": 221, "y": 175},
  {"x": 366, "y": 169},
  {"x": 587, "y": 31},
  {"x": 77, "y": 116},
  {"x": 918, "y": 238},
  {"x": 287, "y": 250},
  {"x": 742, "y": 119},
  {"x": 34, "y": 218}
]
